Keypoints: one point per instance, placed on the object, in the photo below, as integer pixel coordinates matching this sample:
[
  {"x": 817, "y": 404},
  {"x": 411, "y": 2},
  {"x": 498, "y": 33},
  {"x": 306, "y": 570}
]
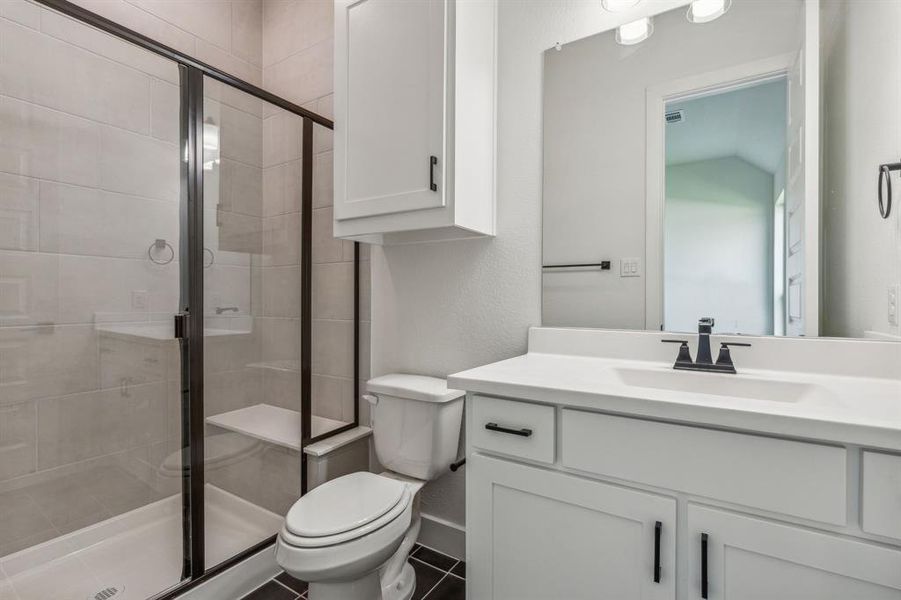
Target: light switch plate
[{"x": 630, "y": 267}]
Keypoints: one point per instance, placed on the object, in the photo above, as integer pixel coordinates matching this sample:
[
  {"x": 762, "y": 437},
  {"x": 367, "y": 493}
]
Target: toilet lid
[{"x": 343, "y": 504}]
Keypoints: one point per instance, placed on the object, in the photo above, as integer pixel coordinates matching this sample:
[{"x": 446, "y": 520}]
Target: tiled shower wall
[
  {"x": 89, "y": 172},
  {"x": 297, "y": 65},
  {"x": 89, "y": 178}
]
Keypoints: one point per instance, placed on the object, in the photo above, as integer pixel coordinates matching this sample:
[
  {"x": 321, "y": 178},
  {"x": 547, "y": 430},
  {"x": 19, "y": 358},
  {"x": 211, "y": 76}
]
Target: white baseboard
[
  {"x": 444, "y": 536},
  {"x": 239, "y": 580}
]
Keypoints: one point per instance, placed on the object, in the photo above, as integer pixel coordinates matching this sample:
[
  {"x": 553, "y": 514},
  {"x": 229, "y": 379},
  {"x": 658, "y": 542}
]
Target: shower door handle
[{"x": 181, "y": 326}]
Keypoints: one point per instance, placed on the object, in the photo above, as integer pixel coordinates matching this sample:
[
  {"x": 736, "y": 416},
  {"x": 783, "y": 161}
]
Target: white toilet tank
[{"x": 415, "y": 424}]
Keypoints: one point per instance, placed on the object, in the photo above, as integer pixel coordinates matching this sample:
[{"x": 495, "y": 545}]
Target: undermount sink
[{"x": 717, "y": 384}]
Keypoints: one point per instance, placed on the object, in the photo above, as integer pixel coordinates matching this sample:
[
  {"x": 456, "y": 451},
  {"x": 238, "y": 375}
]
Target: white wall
[
  {"x": 441, "y": 308},
  {"x": 862, "y": 129},
  {"x": 718, "y": 246},
  {"x": 595, "y": 142}
]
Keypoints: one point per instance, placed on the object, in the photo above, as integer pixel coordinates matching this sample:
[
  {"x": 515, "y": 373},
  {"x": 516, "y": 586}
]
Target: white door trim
[{"x": 655, "y": 159}]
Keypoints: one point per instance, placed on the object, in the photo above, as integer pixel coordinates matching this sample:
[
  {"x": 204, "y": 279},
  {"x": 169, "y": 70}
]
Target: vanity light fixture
[
  {"x": 634, "y": 32},
  {"x": 704, "y": 11},
  {"x": 618, "y": 5}
]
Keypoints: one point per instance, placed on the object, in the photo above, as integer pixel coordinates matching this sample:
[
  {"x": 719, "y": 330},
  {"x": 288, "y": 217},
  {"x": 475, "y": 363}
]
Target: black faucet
[
  {"x": 704, "y": 360},
  {"x": 705, "y": 328}
]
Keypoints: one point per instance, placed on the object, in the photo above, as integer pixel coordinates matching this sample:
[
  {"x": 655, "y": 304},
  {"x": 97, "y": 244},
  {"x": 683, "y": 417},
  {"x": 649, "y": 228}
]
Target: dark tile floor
[{"x": 438, "y": 577}]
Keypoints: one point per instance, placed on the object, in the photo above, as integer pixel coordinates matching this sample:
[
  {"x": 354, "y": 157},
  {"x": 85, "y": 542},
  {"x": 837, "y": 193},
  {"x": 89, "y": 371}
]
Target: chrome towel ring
[
  {"x": 885, "y": 175},
  {"x": 159, "y": 245}
]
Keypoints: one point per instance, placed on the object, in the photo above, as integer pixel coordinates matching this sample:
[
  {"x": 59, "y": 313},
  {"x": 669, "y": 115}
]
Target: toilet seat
[{"x": 345, "y": 509}]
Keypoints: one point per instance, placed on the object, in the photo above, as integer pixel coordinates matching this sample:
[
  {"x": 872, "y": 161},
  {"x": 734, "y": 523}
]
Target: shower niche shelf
[
  {"x": 279, "y": 426},
  {"x": 281, "y": 366},
  {"x": 159, "y": 331}
]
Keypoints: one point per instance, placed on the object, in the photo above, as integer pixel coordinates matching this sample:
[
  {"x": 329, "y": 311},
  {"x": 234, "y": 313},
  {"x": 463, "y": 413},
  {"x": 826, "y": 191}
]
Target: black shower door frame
[{"x": 188, "y": 329}]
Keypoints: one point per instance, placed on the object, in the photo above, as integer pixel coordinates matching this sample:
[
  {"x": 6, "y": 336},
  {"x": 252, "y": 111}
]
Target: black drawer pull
[
  {"x": 658, "y": 526},
  {"x": 433, "y": 160},
  {"x": 703, "y": 565},
  {"x": 522, "y": 432}
]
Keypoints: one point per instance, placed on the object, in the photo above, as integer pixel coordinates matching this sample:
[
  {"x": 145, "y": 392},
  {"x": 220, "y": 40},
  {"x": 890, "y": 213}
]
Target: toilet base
[
  {"x": 368, "y": 587},
  {"x": 402, "y": 587}
]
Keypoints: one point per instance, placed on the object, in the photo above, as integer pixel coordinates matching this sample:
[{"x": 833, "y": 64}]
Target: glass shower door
[
  {"x": 90, "y": 376},
  {"x": 252, "y": 177}
]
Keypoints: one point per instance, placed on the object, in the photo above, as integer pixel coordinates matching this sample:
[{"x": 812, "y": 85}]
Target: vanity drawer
[
  {"x": 881, "y": 511},
  {"x": 513, "y": 428},
  {"x": 793, "y": 478}
]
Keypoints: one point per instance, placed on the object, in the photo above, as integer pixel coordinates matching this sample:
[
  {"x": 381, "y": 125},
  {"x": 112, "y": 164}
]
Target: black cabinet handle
[
  {"x": 521, "y": 432},
  {"x": 658, "y": 526},
  {"x": 704, "y": 565},
  {"x": 433, "y": 160}
]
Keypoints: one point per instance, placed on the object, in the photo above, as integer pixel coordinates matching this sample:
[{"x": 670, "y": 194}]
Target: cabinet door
[
  {"x": 389, "y": 106},
  {"x": 538, "y": 534},
  {"x": 753, "y": 559}
]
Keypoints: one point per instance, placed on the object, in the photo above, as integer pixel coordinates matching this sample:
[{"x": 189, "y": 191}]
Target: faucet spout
[{"x": 705, "y": 328}]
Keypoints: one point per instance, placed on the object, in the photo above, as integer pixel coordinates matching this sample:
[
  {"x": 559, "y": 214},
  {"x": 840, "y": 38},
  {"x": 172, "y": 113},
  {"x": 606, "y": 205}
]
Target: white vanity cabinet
[
  {"x": 414, "y": 120},
  {"x": 537, "y": 534},
  {"x": 756, "y": 517},
  {"x": 749, "y": 558}
]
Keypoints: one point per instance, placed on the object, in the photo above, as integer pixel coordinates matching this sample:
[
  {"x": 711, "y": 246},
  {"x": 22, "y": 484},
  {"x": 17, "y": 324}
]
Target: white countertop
[{"x": 843, "y": 409}]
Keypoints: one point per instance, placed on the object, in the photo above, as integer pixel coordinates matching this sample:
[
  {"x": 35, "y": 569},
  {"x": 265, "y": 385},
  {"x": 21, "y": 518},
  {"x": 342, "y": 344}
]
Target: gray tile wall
[
  {"x": 89, "y": 177},
  {"x": 297, "y": 64}
]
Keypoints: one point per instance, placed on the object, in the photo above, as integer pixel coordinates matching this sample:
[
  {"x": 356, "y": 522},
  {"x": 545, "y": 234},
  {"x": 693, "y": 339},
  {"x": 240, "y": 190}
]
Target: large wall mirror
[{"x": 735, "y": 165}]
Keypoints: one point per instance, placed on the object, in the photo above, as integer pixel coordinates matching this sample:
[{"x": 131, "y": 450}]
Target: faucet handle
[
  {"x": 684, "y": 357},
  {"x": 725, "y": 357}
]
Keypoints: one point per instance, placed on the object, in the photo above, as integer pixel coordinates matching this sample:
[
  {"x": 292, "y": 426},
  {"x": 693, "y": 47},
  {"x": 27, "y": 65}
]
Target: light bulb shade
[
  {"x": 618, "y": 5},
  {"x": 704, "y": 11},
  {"x": 634, "y": 32}
]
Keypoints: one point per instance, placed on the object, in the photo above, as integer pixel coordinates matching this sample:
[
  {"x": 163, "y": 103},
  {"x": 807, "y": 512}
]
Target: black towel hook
[{"x": 885, "y": 203}]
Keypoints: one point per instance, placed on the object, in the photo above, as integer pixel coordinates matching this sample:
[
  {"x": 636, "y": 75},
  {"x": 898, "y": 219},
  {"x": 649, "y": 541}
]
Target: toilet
[{"x": 350, "y": 537}]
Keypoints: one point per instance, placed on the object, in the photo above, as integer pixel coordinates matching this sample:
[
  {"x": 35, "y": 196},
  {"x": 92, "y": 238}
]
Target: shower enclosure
[{"x": 163, "y": 285}]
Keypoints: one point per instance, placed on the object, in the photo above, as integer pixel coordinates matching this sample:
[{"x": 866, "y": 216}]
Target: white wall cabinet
[
  {"x": 549, "y": 535},
  {"x": 414, "y": 119},
  {"x": 579, "y": 522}
]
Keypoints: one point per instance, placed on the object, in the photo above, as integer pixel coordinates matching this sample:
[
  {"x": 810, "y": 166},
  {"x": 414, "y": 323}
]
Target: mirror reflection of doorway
[{"x": 724, "y": 217}]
